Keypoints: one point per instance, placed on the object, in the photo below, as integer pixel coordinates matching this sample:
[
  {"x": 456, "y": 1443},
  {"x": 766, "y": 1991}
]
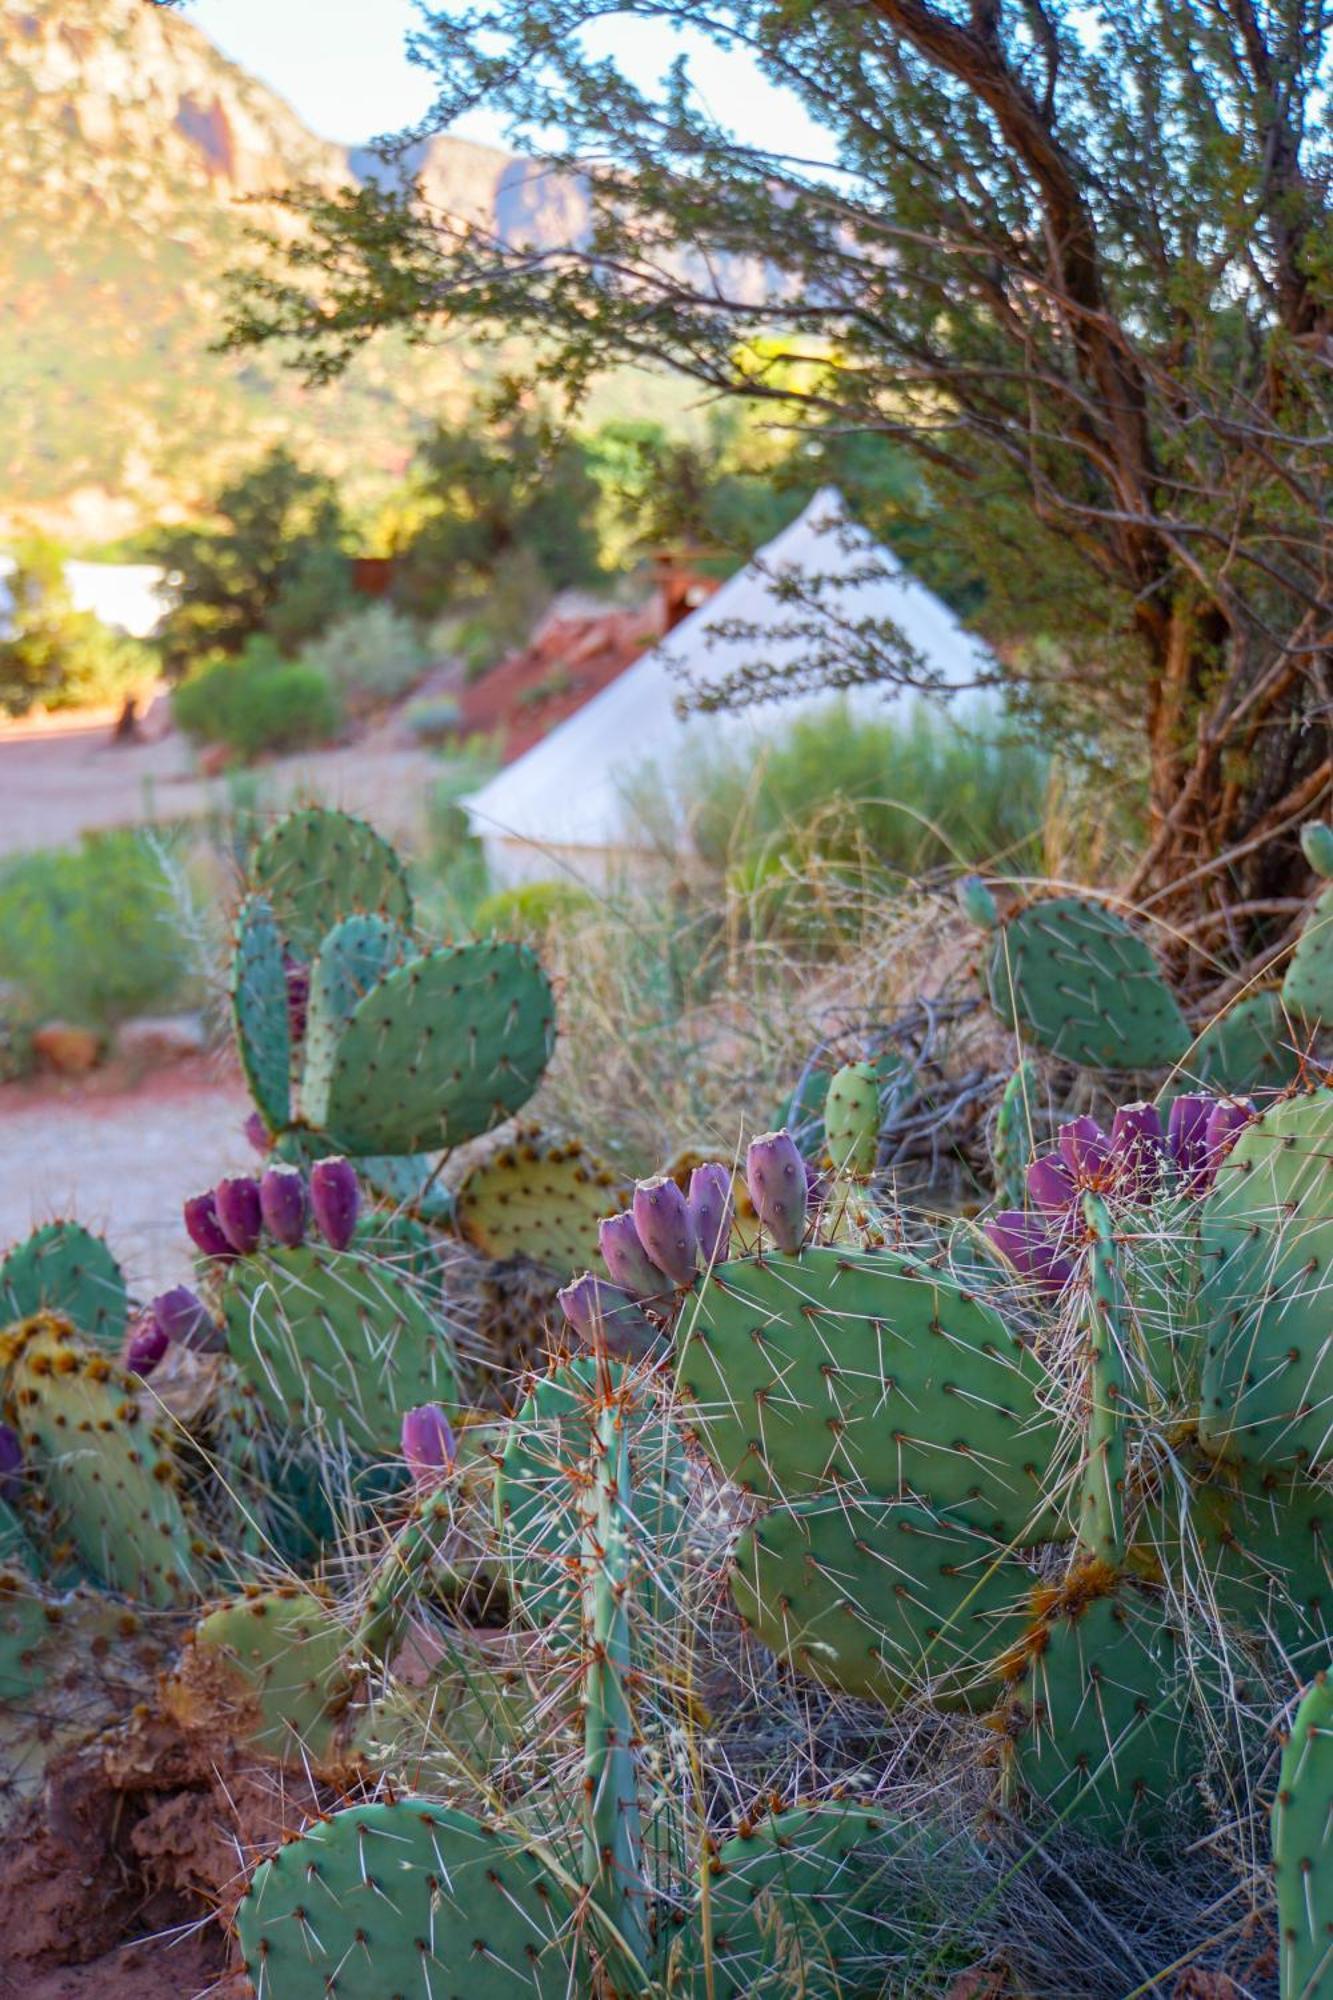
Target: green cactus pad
[
  {"x": 821, "y": 1901},
  {"x": 881, "y": 1599},
  {"x": 259, "y": 1012},
  {"x": 538, "y": 1488},
  {"x": 317, "y": 867},
  {"x": 1267, "y": 1253},
  {"x": 1074, "y": 978},
  {"x": 539, "y": 1198},
  {"x": 411, "y": 1899},
  {"x": 274, "y": 1663},
  {"x": 1099, "y": 1498},
  {"x": 1098, "y": 1726},
  {"x": 851, "y": 1120},
  {"x": 409, "y": 1181},
  {"x": 865, "y": 1371},
  {"x": 442, "y": 1050},
  {"x": 336, "y": 1342},
  {"x": 1013, "y": 1142},
  {"x": 354, "y": 957},
  {"x": 106, "y": 1479},
  {"x": 1246, "y": 1051},
  {"x": 1307, "y": 990},
  {"x": 1303, "y": 1849},
  {"x": 64, "y": 1269}
]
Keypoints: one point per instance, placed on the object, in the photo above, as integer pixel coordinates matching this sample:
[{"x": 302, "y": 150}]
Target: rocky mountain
[{"x": 134, "y": 162}]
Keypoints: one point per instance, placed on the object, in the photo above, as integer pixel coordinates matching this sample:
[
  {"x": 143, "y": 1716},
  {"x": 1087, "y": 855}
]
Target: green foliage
[
  {"x": 257, "y": 703},
  {"x": 54, "y": 656},
  {"x": 531, "y": 910},
  {"x": 92, "y": 934},
  {"x": 370, "y": 655}
]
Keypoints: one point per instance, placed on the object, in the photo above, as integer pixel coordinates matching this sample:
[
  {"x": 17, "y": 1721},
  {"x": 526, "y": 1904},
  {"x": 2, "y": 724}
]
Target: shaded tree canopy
[{"x": 1078, "y": 259}]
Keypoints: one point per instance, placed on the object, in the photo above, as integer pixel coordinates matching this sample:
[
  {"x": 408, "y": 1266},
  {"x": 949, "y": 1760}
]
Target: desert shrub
[
  {"x": 92, "y": 934},
  {"x": 530, "y": 910},
  {"x": 484, "y": 630},
  {"x": 257, "y": 702},
  {"x": 369, "y": 655},
  {"x": 434, "y": 719},
  {"x": 54, "y": 656}
]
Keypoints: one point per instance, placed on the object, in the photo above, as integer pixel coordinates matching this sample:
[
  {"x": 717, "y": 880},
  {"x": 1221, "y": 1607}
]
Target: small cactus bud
[
  {"x": 666, "y": 1228},
  {"x": 1022, "y": 1242},
  {"x": 257, "y": 1132},
  {"x": 1317, "y": 847},
  {"x": 145, "y": 1346},
  {"x": 206, "y": 1232},
  {"x": 1085, "y": 1149},
  {"x": 1187, "y": 1135},
  {"x": 335, "y": 1197},
  {"x": 429, "y": 1444},
  {"x": 1051, "y": 1185},
  {"x": 185, "y": 1320},
  {"x": 775, "y": 1176},
  {"x": 606, "y": 1319},
  {"x": 238, "y": 1212},
  {"x": 11, "y": 1464},
  {"x": 977, "y": 903},
  {"x": 626, "y": 1259},
  {"x": 283, "y": 1204},
  {"x": 710, "y": 1205},
  {"x": 1138, "y": 1147}
]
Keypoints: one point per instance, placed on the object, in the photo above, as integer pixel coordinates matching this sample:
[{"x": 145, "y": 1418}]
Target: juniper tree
[{"x": 1077, "y": 257}]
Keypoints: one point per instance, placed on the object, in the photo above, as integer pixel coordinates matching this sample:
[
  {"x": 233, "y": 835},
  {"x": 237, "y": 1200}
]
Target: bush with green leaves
[
  {"x": 53, "y": 656},
  {"x": 531, "y": 909},
  {"x": 370, "y": 655},
  {"x": 93, "y": 934},
  {"x": 257, "y": 702}
]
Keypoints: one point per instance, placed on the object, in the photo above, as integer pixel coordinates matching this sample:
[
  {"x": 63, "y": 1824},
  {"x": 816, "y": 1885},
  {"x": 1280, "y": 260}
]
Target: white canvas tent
[{"x": 561, "y": 808}]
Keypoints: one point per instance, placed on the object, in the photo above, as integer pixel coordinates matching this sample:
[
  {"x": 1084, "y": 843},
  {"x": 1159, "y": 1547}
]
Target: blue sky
[{"x": 342, "y": 65}]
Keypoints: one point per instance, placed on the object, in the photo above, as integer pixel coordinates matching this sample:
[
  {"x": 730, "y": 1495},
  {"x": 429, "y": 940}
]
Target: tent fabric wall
[{"x": 561, "y": 808}]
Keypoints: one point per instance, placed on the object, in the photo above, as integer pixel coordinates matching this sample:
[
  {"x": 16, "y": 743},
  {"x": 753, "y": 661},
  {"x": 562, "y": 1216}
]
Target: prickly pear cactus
[
  {"x": 409, "y": 1898},
  {"x": 259, "y": 1012},
  {"x": 106, "y": 1481},
  {"x": 63, "y": 1268},
  {"x": 851, "y": 1120},
  {"x": 539, "y": 1198},
  {"x": 1013, "y": 1141},
  {"x": 1075, "y": 979},
  {"x": 274, "y": 1665},
  {"x": 1302, "y": 1861},
  {"x": 1307, "y": 990},
  {"x": 442, "y": 1050},
  {"x": 355, "y": 956},
  {"x": 1251, "y": 1049},
  {"x": 316, "y": 867},
  {"x": 336, "y": 1342}
]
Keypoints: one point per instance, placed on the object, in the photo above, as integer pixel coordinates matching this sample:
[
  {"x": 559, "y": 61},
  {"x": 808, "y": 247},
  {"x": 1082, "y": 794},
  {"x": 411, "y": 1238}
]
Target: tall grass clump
[{"x": 370, "y": 655}]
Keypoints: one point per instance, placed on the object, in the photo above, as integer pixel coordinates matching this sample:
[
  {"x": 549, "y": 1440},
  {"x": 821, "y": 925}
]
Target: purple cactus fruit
[
  {"x": 1226, "y": 1121},
  {"x": 710, "y": 1207},
  {"x": 1084, "y": 1148},
  {"x": 186, "y": 1320},
  {"x": 1022, "y": 1242},
  {"x": 625, "y": 1257},
  {"x": 146, "y": 1345},
  {"x": 1138, "y": 1148},
  {"x": 257, "y": 1132},
  {"x": 206, "y": 1232},
  {"x": 283, "y": 1204},
  {"x": 11, "y": 1464},
  {"x": 335, "y": 1197},
  {"x": 298, "y": 997},
  {"x": 607, "y": 1320},
  {"x": 775, "y": 1176},
  {"x": 429, "y": 1444},
  {"x": 1187, "y": 1136},
  {"x": 666, "y": 1228},
  {"x": 239, "y": 1213},
  {"x": 1051, "y": 1185}
]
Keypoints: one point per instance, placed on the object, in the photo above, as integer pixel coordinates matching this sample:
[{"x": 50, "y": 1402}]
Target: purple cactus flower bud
[
  {"x": 283, "y": 1204},
  {"x": 607, "y": 1319},
  {"x": 239, "y": 1213},
  {"x": 1187, "y": 1135},
  {"x": 711, "y": 1211},
  {"x": 1022, "y": 1242},
  {"x": 298, "y": 997},
  {"x": 1051, "y": 1185},
  {"x": 666, "y": 1228},
  {"x": 335, "y": 1196},
  {"x": 626, "y": 1259},
  {"x": 206, "y": 1232},
  {"x": 1138, "y": 1148},
  {"x": 11, "y": 1464},
  {"x": 257, "y": 1132},
  {"x": 775, "y": 1176},
  {"x": 1085, "y": 1149},
  {"x": 186, "y": 1320},
  {"x": 429, "y": 1444},
  {"x": 146, "y": 1345},
  {"x": 1226, "y": 1121}
]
